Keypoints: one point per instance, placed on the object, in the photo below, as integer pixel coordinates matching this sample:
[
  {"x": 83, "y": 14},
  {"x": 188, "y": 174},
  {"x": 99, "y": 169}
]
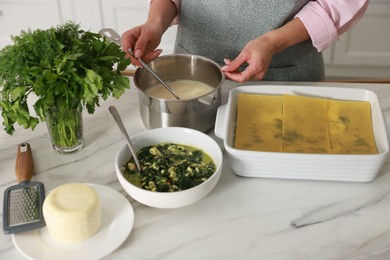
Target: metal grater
[{"x": 23, "y": 202}]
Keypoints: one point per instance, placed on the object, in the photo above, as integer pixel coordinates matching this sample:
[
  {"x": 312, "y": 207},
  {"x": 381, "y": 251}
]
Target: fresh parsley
[{"x": 64, "y": 66}]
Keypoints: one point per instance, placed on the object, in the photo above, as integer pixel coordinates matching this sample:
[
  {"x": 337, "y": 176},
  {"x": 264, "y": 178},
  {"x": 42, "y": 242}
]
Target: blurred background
[{"x": 362, "y": 54}]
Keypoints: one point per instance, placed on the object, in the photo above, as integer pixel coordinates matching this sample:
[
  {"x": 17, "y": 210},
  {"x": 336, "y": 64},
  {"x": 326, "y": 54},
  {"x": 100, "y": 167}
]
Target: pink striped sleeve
[{"x": 326, "y": 20}]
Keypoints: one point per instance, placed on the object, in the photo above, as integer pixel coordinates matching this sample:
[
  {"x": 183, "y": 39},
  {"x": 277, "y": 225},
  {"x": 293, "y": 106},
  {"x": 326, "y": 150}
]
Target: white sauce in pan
[{"x": 185, "y": 89}]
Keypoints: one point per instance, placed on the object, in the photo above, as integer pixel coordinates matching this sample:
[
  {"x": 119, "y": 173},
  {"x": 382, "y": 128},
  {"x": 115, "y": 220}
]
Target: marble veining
[
  {"x": 337, "y": 210},
  {"x": 242, "y": 218}
]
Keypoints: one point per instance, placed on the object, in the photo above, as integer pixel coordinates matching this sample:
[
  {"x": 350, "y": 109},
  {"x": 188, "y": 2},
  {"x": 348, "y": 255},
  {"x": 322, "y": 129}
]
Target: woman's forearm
[
  {"x": 162, "y": 12},
  {"x": 290, "y": 34}
]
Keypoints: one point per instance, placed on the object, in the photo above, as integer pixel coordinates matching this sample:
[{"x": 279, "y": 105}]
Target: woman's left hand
[{"x": 257, "y": 54}]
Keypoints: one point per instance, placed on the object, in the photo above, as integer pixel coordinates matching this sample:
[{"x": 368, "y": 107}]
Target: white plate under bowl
[
  {"x": 340, "y": 167},
  {"x": 117, "y": 223}
]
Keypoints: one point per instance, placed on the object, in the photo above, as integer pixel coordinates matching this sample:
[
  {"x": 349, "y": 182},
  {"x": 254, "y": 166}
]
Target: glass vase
[{"x": 66, "y": 129}]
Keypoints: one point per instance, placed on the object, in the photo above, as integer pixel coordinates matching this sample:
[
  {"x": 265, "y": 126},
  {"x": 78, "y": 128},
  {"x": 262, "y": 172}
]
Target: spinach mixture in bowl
[{"x": 169, "y": 167}]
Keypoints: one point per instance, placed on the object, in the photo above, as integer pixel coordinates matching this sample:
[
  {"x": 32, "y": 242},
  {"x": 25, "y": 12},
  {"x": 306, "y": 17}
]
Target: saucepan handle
[{"x": 111, "y": 34}]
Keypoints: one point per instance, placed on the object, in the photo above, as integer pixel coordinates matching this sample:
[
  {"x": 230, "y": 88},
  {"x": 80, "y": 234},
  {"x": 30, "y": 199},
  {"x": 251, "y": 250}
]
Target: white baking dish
[{"x": 338, "y": 167}]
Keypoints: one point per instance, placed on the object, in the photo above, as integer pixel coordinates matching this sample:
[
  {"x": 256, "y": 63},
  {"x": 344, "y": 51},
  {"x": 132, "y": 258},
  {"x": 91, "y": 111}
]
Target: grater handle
[{"x": 24, "y": 167}]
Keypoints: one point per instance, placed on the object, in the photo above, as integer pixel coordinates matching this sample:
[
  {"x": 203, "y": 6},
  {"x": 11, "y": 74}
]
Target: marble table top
[{"x": 242, "y": 218}]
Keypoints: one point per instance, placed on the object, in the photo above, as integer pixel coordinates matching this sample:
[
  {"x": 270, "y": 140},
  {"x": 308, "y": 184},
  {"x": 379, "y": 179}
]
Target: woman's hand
[
  {"x": 143, "y": 40},
  {"x": 258, "y": 53}
]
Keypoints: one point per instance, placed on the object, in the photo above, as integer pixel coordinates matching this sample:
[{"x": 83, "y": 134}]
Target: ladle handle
[
  {"x": 119, "y": 122},
  {"x": 146, "y": 66}
]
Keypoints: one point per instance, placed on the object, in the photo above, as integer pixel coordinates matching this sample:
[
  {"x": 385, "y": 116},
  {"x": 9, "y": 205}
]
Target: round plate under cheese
[{"x": 117, "y": 223}]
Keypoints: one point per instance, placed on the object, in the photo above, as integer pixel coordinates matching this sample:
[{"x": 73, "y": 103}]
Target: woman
[{"x": 252, "y": 39}]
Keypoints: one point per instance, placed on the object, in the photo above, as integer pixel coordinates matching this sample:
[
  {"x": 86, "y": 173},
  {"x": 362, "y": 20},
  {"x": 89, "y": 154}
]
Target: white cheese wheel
[{"x": 72, "y": 212}]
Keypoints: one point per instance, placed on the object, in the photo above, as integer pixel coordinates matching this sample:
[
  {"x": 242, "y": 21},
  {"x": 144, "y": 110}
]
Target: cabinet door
[
  {"x": 87, "y": 13},
  {"x": 122, "y": 15},
  {"x": 368, "y": 43},
  {"x": 17, "y": 15},
  {"x": 328, "y": 54}
]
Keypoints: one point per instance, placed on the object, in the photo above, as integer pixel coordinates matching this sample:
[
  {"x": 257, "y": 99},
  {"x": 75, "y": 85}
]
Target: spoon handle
[
  {"x": 119, "y": 122},
  {"x": 146, "y": 66}
]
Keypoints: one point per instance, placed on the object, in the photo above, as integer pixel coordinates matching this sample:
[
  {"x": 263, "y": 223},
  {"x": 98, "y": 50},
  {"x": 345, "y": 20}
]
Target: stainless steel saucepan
[{"x": 198, "y": 112}]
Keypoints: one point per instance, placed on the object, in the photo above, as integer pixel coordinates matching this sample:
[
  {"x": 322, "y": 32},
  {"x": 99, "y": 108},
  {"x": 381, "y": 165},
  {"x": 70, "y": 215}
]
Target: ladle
[
  {"x": 113, "y": 36},
  {"x": 149, "y": 69},
  {"x": 119, "y": 122}
]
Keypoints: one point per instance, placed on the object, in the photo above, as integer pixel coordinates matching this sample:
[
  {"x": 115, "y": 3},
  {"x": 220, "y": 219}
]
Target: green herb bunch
[{"x": 64, "y": 67}]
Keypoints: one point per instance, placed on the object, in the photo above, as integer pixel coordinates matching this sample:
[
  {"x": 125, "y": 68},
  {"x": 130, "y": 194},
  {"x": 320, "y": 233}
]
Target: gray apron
[{"x": 220, "y": 29}]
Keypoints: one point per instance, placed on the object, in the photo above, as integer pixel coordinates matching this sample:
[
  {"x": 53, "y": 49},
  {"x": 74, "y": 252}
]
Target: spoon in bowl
[{"x": 119, "y": 122}]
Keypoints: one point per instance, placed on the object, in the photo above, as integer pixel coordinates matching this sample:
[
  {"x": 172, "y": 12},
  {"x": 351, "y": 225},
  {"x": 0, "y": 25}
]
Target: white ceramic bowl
[
  {"x": 337, "y": 167},
  {"x": 178, "y": 135}
]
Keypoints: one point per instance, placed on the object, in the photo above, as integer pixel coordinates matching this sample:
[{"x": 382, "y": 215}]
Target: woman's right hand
[{"x": 144, "y": 40}]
